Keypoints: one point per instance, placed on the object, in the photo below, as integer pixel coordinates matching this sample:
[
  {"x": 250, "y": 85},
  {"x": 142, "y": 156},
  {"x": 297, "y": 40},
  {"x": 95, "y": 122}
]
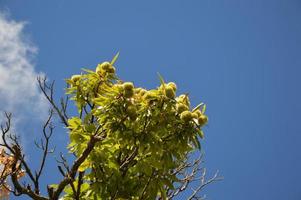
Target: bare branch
[
  {"x": 45, "y": 148},
  {"x": 48, "y": 91},
  {"x": 203, "y": 184},
  {"x": 14, "y": 178},
  {"x": 11, "y": 143},
  {"x": 187, "y": 173}
]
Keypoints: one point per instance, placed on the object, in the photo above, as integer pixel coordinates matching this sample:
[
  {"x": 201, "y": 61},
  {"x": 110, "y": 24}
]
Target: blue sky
[{"x": 242, "y": 58}]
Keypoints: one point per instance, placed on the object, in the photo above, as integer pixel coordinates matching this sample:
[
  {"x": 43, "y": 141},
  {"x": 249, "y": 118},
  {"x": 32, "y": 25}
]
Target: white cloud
[{"x": 19, "y": 92}]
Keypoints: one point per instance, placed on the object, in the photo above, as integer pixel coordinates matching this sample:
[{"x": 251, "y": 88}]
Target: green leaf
[
  {"x": 197, "y": 107},
  {"x": 68, "y": 190},
  {"x": 204, "y": 108},
  {"x": 112, "y": 164},
  {"x": 196, "y": 142},
  {"x": 85, "y": 165},
  {"x": 200, "y": 133},
  {"x": 162, "y": 191},
  {"x": 74, "y": 123},
  {"x": 88, "y": 70},
  {"x": 85, "y": 186},
  {"x": 115, "y": 58},
  {"x": 161, "y": 80}
]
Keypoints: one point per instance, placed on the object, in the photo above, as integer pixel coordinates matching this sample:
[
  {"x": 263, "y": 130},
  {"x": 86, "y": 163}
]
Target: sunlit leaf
[{"x": 115, "y": 58}]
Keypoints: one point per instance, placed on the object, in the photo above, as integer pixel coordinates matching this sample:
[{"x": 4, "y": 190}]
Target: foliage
[{"x": 129, "y": 142}]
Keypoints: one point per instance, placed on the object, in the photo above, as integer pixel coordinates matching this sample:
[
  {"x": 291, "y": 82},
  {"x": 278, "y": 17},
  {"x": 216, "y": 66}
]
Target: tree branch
[
  {"x": 74, "y": 169},
  {"x": 48, "y": 91}
]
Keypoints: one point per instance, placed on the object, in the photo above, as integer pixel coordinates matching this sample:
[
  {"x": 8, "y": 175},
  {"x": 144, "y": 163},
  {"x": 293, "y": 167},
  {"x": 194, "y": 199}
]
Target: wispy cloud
[{"x": 19, "y": 92}]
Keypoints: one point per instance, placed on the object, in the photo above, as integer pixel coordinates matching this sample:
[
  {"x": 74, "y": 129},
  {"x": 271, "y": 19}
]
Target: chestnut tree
[{"x": 128, "y": 142}]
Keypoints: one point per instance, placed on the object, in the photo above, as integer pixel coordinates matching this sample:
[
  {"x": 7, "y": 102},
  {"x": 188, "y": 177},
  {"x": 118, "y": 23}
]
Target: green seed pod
[
  {"x": 172, "y": 85},
  {"x": 131, "y": 112},
  {"x": 184, "y": 99},
  {"x": 194, "y": 115},
  {"x": 170, "y": 92},
  {"x": 137, "y": 90},
  {"x": 128, "y": 86},
  {"x": 142, "y": 92},
  {"x": 181, "y": 107},
  {"x": 128, "y": 93},
  {"x": 186, "y": 116},
  {"x": 203, "y": 119},
  {"x": 111, "y": 70},
  {"x": 98, "y": 69},
  {"x": 198, "y": 112},
  {"x": 105, "y": 66},
  {"x": 75, "y": 78}
]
